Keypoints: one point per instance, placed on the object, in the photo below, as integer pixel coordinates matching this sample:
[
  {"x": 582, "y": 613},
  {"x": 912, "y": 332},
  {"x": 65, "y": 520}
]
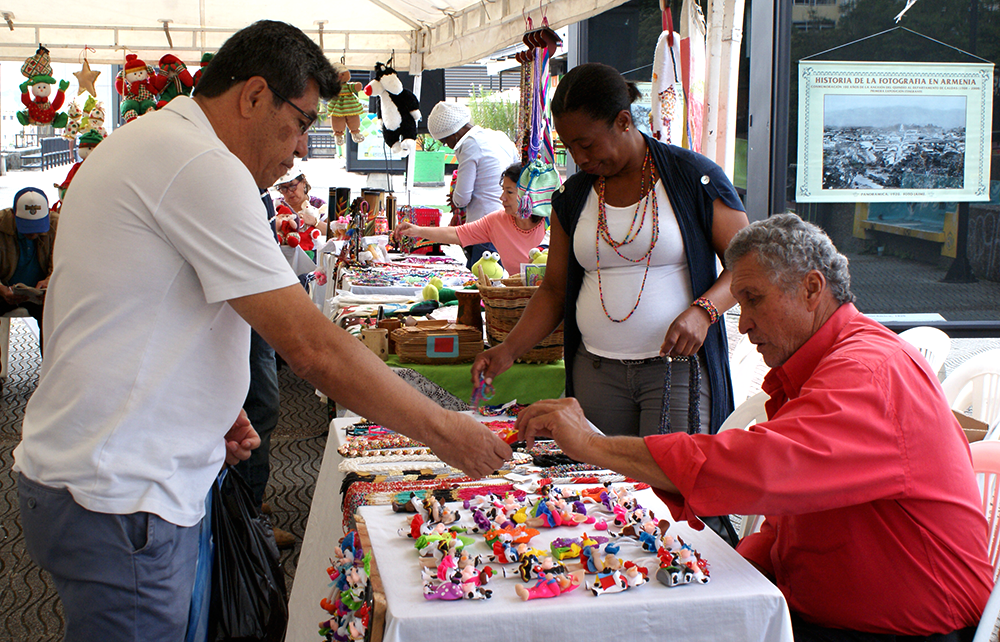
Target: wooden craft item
[
  {"x": 470, "y": 310},
  {"x": 437, "y": 342},
  {"x": 389, "y": 325},
  {"x": 377, "y": 340}
]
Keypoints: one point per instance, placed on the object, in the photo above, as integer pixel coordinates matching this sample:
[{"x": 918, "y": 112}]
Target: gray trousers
[
  {"x": 120, "y": 577},
  {"x": 626, "y": 398}
]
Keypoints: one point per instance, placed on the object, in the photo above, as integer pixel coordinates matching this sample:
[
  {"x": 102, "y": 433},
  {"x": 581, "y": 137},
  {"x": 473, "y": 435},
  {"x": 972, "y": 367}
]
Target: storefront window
[{"x": 901, "y": 253}]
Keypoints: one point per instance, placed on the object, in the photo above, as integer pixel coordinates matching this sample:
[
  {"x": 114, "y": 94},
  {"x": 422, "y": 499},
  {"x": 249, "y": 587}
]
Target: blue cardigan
[{"x": 692, "y": 183}]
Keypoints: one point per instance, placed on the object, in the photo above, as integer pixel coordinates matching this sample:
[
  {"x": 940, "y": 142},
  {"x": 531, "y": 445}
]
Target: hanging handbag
[{"x": 535, "y": 186}]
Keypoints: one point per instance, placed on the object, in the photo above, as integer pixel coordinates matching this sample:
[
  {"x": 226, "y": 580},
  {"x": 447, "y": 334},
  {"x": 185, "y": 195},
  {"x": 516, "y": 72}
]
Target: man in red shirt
[{"x": 874, "y": 526}]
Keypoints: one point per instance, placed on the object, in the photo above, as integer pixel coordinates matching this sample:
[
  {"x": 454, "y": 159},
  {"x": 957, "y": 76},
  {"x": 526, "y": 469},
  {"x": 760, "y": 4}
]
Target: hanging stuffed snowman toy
[
  {"x": 136, "y": 84},
  {"x": 36, "y": 91}
]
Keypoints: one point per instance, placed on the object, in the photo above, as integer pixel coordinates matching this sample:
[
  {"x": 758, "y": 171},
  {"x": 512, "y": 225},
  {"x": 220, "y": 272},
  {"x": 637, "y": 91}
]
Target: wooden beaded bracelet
[{"x": 708, "y": 306}]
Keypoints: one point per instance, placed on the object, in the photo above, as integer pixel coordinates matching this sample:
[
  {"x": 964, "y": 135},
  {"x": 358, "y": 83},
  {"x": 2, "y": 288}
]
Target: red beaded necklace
[{"x": 645, "y": 197}]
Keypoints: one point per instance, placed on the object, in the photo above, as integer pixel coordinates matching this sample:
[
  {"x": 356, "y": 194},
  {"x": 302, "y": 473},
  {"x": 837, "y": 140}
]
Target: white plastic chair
[
  {"x": 743, "y": 364},
  {"x": 988, "y": 621},
  {"x": 934, "y": 344},
  {"x": 747, "y": 414},
  {"x": 986, "y": 464},
  {"x": 975, "y": 386}
]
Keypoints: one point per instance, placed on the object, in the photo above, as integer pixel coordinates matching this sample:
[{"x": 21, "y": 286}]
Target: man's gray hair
[{"x": 789, "y": 248}]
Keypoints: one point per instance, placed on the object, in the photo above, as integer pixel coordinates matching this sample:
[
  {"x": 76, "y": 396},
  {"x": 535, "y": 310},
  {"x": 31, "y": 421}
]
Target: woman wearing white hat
[
  {"x": 483, "y": 155},
  {"x": 294, "y": 189}
]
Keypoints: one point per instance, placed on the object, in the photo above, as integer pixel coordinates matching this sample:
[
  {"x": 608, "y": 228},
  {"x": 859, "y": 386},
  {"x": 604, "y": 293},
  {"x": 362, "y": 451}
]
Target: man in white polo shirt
[{"x": 164, "y": 264}]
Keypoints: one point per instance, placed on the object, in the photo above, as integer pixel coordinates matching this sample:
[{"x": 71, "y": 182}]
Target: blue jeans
[
  {"x": 263, "y": 405},
  {"x": 120, "y": 577}
]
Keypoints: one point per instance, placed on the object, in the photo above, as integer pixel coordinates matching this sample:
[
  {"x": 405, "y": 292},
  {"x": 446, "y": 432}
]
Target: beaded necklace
[{"x": 633, "y": 232}]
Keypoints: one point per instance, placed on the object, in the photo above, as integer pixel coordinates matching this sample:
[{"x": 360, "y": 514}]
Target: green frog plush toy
[{"x": 490, "y": 266}]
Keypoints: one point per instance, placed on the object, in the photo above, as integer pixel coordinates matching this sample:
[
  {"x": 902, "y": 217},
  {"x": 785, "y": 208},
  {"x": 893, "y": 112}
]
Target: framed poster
[
  {"x": 885, "y": 132},
  {"x": 372, "y": 154}
]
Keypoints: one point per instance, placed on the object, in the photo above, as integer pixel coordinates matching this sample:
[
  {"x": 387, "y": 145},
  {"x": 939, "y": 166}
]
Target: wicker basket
[
  {"x": 504, "y": 306},
  {"x": 415, "y": 344}
]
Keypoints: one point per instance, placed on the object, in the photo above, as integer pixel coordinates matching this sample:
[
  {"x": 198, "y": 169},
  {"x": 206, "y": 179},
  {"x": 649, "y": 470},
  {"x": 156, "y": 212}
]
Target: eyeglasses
[
  {"x": 289, "y": 186},
  {"x": 309, "y": 120}
]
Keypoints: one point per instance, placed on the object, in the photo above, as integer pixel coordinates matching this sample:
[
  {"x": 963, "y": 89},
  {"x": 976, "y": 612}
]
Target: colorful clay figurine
[
  {"x": 466, "y": 583},
  {"x": 551, "y": 585},
  {"x": 617, "y": 576}
]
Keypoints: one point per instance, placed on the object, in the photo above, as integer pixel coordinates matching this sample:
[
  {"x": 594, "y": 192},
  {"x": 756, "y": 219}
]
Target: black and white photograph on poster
[
  {"x": 880, "y": 142},
  {"x": 894, "y": 132}
]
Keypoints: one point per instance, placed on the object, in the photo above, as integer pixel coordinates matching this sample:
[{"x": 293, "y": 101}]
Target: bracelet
[{"x": 708, "y": 306}]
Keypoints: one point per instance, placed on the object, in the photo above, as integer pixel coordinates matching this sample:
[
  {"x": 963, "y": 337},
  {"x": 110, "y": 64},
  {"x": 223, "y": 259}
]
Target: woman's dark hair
[
  {"x": 513, "y": 173},
  {"x": 595, "y": 89},
  {"x": 276, "y": 51}
]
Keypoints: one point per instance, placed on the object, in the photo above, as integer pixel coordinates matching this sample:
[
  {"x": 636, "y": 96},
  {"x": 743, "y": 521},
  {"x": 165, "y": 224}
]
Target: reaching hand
[
  {"x": 560, "y": 419},
  {"x": 404, "y": 229},
  {"x": 240, "y": 440},
  {"x": 469, "y": 445},
  {"x": 490, "y": 364}
]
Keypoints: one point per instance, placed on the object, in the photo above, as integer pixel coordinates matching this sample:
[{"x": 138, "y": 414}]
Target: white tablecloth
[{"x": 738, "y": 603}]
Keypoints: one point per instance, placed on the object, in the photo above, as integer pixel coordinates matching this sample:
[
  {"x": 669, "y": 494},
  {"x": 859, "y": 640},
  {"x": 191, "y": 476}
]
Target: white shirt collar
[{"x": 475, "y": 128}]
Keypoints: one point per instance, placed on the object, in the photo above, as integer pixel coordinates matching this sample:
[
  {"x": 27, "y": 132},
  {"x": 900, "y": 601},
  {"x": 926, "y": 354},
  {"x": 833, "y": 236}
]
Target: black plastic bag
[{"x": 249, "y": 600}]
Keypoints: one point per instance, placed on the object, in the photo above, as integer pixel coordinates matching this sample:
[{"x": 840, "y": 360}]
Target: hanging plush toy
[
  {"x": 75, "y": 115},
  {"x": 173, "y": 80},
  {"x": 136, "y": 85},
  {"x": 93, "y": 119},
  {"x": 205, "y": 59},
  {"x": 35, "y": 92},
  {"x": 87, "y": 143},
  {"x": 345, "y": 112},
  {"x": 398, "y": 108}
]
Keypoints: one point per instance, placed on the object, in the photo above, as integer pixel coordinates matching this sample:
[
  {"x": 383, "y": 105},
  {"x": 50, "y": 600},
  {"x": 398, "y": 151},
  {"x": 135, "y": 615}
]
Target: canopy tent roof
[{"x": 420, "y": 34}]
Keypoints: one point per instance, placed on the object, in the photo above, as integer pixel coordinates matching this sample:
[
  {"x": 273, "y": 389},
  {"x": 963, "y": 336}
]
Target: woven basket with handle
[{"x": 504, "y": 306}]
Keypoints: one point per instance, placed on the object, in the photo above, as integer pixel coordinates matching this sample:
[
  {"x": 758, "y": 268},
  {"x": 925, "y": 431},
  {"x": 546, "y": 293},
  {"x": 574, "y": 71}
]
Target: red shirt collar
[{"x": 793, "y": 373}]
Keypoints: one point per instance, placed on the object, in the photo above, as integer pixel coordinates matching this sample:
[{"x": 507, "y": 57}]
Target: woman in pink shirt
[{"x": 512, "y": 235}]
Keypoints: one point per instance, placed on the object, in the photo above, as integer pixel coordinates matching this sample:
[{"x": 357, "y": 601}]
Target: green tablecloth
[{"x": 526, "y": 382}]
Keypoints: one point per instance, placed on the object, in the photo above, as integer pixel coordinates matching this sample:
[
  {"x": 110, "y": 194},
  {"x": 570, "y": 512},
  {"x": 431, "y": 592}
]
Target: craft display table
[
  {"x": 400, "y": 278},
  {"x": 737, "y": 604},
  {"x": 525, "y": 382}
]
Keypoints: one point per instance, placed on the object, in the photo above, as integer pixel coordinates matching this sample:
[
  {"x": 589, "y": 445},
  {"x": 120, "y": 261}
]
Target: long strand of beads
[
  {"x": 604, "y": 234},
  {"x": 602, "y": 221}
]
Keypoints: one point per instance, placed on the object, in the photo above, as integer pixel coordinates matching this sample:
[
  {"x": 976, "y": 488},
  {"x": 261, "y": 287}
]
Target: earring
[{"x": 626, "y": 127}]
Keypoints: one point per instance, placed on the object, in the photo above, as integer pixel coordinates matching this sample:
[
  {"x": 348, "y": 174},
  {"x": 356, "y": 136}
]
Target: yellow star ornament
[{"x": 87, "y": 78}]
